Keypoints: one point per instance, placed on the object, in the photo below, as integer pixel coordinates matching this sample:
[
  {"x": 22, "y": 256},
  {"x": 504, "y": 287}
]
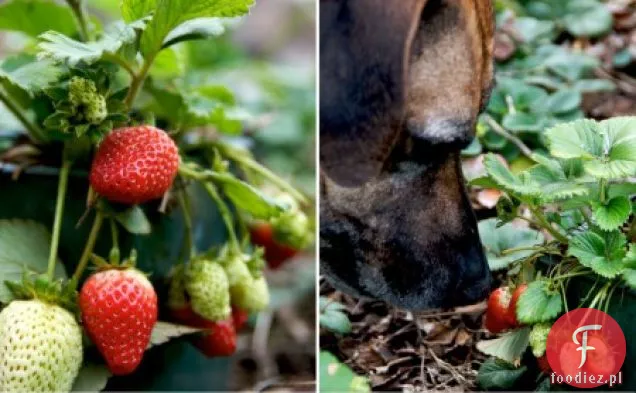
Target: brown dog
[{"x": 401, "y": 85}]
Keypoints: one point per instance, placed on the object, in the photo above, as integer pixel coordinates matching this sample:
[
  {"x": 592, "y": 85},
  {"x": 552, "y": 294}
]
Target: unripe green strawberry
[
  {"x": 251, "y": 295},
  {"x": 539, "y": 338},
  {"x": 40, "y": 347},
  {"x": 236, "y": 270},
  {"x": 292, "y": 228},
  {"x": 207, "y": 284}
]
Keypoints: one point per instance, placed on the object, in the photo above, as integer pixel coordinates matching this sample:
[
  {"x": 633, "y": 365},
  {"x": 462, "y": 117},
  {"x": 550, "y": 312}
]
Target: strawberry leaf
[
  {"x": 629, "y": 276},
  {"x": 338, "y": 377},
  {"x": 134, "y": 220},
  {"x": 509, "y": 347},
  {"x": 498, "y": 374},
  {"x": 59, "y": 47},
  {"x": 538, "y": 303},
  {"x": 168, "y": 64},
  {"x": 33, "y": 76},
  {"x": 521, "y": 184},
  {"x": 608, "y": 148},
  {"x": 613, "y": 214},
  {"x": 33, "y": 17},
  {"x": 195, "y": 29},
  {"x": 496, "y": 240},
  {"x": 578, "y": 139},
  {"x": 333, "y": 318},
  {"x": 602, "y": 253},
  {"x": 91, "y": 378},
  {"x": 24, "y": 245},
  {"x": 165, "y": 331},
  {"x": 248, "y": 198},
  {"x": 169, "y": 14}
]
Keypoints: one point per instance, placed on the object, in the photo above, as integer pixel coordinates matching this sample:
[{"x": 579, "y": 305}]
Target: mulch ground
[{"x": 400, "y": 350}]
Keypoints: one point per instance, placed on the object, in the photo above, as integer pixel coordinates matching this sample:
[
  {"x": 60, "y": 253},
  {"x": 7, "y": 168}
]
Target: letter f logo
[{"x": 584, "y": 347}]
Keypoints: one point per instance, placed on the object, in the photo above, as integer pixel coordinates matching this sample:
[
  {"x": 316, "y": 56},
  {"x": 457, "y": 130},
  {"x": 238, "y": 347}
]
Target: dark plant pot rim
[{"x": 39, "y": 170}]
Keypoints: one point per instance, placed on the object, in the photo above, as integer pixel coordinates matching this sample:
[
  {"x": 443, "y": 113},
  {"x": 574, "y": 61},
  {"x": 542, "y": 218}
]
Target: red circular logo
[{"x": 586, "y": 348}]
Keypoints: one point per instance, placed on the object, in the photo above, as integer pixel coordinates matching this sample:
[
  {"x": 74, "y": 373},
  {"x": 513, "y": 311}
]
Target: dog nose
[{"x": 476, "y": 279}]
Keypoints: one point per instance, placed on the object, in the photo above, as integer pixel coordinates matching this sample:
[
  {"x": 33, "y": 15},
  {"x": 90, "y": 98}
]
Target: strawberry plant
[
  {"x": 575, "y": 210},
  {"x": 540, "y": 81},
  {"x": 149, "y": 132}
]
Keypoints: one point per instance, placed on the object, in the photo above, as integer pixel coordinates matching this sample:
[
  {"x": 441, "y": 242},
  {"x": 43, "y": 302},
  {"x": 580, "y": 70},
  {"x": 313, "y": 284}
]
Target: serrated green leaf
[
  {"x": 602, "y": 253},
  {"x": 247, "y": 198},
  {"x": 561, "y": 190},
  {"x": 538, "y": 303},
  {"x": 619, "y": 158},
  {"x": 166, "y": 331},
  {"x": 24, "y": 245},
  {"x": 629, "y": 276},
  {"x": 613, "y": 214},
  {"x": 608, "y": 147},
  {"x": 169, "y": 14},
  {"x": 135, "y": 221},
  {"x": 509, "y": 347},
  {"x": 507, "y": 180},
  {"x": 196, "y": 29},
  {"x": 484, "y": 182},
  {"x": 33, "y": 77},
  {"x": 338, "y": 377},
  {"x": 578, "y": 139},
  {"x": 59, "y": 47},
  {"x": 630, "y": 258},
  {"x": 498, "y": 374},
  {"x": 91, "y": 378},
  {"x": 34, "y": 17},
  {"x": 496, "y": 240}
]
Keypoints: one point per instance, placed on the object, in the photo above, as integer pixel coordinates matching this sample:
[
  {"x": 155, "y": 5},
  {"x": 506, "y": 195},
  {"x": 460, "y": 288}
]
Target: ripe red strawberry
[
  {"x": 239, "y": 317},
  {"x": 219, "y": 340},
  {"x": 134, "y": 165},
  {"x": 276, "y": 254},
  {"x": 512, "y": 313},
  {"x": 497, "y": 319},
  {"x": 119, "y": 311}
]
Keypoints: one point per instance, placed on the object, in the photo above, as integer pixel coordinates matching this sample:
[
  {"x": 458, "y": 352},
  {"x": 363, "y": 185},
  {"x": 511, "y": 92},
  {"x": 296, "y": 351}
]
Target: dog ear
[
  {"x": 364, "y": 58},
  {"x": 450, "y": 70}
]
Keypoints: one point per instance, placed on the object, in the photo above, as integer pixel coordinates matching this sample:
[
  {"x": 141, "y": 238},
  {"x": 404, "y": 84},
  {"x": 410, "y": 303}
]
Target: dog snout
[{"x": 475, "y": 280}]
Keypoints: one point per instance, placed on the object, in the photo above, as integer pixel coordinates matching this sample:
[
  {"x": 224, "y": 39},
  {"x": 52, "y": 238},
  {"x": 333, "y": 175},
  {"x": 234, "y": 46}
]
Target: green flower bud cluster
[{"x": 84, "y": 97}]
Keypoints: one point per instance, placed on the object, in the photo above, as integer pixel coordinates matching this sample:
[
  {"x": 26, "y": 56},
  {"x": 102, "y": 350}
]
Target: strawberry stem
[
  {"x": 114, "y": 256},
  {"x": 57, "y": 221},
  {"x": 138, "y": 81},
  {"x": 35, "y": 132},
  {"x": 188, "y": 250},
  {"x": 90, "y": 244},
  {"x": 544, "y": 223},
  {"x": 248, "y": 162},
  {"x": 225, "y": 214},
  {"x": 79, "y": 11}
]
